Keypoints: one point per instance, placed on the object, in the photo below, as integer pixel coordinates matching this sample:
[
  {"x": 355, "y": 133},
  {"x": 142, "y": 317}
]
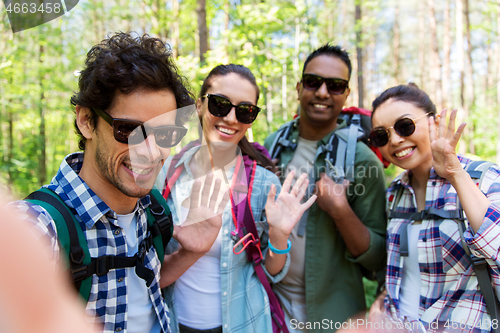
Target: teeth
[
  {"x": 320, "y": 106},
  {"x": 137, "y": 170},
  {"x": 226, "y": 130},
  {"x": 404, "y": 152}
]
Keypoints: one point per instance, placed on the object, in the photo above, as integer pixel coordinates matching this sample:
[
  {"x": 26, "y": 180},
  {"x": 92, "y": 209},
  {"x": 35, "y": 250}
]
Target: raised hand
[
  {"x": 444, "y": 140},
  {"x": 286, "y": 211},
  {"x": 203, "y": 222}
]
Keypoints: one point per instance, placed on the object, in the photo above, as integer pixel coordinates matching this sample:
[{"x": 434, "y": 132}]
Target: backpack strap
[
  {"x": 246, "y": 223},
  {"x": 281, "y": 140},
  {"x": 160, "y": 223},
  {"x": 70, "y": 235}
]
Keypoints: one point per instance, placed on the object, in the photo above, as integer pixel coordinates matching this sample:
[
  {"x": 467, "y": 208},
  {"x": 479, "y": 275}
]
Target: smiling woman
[
  {"x": 430, "y": 279},
  {"x": 220, "y": 290}
]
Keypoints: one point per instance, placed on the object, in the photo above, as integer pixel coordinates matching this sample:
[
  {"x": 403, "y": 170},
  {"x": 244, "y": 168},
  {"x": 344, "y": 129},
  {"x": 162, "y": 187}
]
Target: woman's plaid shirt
[{"x": 449, "y": 294}]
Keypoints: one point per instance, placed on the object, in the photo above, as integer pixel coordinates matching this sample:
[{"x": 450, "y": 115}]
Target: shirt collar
[{"x": 79, "y": 195}]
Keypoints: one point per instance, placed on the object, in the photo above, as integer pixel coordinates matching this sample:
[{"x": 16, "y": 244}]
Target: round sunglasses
[
  {"x": 405, "y": 127},
  {"x": 135, "y": 132},
  {"x": 220, "y": 106},
  {"x": 334, "y": 85}
]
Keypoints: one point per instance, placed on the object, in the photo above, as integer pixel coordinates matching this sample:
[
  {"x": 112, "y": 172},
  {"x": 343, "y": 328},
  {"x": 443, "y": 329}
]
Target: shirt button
[
  {"x": 118, "y": 329},
  {"x": 434, "y": 183},
  {"x": 225, "y": 326},
  {"x": 117, "y": 231},
  {"x": 224, "y": 264},
  {"x": 120, "y": 280},
  {"x": 424, "y": 239},
  {"x": 226, "y": 231},
  {"x": 224, "y": 293}
]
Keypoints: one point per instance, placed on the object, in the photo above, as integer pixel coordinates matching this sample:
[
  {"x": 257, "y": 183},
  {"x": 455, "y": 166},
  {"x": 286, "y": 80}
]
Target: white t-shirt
[
  {"x": 141, "y": 314},
  {"x": 197, "y": 291},
  {"x": 409, "y": 294}
]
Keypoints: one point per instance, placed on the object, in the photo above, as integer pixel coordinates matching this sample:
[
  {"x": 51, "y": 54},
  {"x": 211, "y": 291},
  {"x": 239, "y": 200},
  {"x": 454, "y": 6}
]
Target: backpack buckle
[
  {"x": 337, "y": 174},
  {"x": 79, "y": 273},
  {"x": 102, "y": 265}
]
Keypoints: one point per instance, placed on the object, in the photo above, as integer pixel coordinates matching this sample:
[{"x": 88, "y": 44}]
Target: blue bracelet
[{"x": 272, "y": 248}]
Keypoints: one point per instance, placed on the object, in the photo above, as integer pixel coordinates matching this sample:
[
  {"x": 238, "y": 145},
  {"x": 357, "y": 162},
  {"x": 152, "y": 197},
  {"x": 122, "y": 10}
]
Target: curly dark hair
[{"x": 127, "y": 64}]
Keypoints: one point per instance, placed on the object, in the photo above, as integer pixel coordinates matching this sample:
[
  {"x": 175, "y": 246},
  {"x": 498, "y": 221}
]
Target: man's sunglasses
[
  {"x": 125, "y": 131},
  {"x": 220, "y": 106},
  {"x": 379, "y": 137},
  {"x": 334, "y": 85}
]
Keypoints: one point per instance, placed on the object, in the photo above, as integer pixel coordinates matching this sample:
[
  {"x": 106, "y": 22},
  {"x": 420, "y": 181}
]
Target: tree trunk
[
  {"x": 462, "y": 113},
  {"x": 436, "y": 62},
  {"x": 396, "y": 45},
  {"x": 42, "y": 174},
  {"x": 201, "y": 11},
  {"x": 447, "y": 99},
  {"x": 359, "y": 52},
  {"x": 175, "y": 29},
  {"x": 421, "y": 41},
  {"x": 469, "y": 77}
]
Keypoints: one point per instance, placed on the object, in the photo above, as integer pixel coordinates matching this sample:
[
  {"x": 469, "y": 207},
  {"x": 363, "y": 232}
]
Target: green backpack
[{"x": 74, "y": 244}]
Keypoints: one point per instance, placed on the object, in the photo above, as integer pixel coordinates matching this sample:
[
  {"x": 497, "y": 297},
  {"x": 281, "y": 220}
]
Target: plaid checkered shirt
[
  {"x": 108, "y": 296},
  {"x": 450, "y": 298}
]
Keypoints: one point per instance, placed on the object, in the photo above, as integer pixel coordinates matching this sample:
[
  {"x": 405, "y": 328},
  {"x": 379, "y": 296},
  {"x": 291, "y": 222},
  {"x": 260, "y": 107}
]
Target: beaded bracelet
[{"x": 275, "y": 250}]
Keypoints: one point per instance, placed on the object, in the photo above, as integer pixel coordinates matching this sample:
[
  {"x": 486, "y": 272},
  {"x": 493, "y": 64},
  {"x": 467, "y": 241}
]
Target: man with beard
[
  {"x": 344, "y": 230},
  {"x": 128, "y": 116}
]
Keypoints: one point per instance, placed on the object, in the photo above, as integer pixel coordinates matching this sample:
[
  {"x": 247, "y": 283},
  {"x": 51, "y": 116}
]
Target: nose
[
  {"x": 231, "y": 116},
  {"x": 322, "y": 91},
  {"x": 150, "y": 150},
  {"x": 394, "y": 138}
]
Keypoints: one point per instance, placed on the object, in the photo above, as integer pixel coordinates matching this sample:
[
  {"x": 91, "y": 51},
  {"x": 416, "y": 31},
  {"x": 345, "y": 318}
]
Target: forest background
[{"x": 449, "y": 48}]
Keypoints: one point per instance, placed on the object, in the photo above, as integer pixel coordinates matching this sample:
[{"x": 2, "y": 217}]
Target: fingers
[
  {"x": 309, "y": 202},
  {"x": 205, "y": 194},
  {"x": 215, "y": 194},
  {"x": 223, "y": 203},
  {"x": 195, "y": 194},
  {"x": 271, "y": 195},
  {"x": 456, "y": 136},
  {"x": 302, "y": 190},
  {"x": 288, "y": 181},
  {"x": 442, "y": 124},
  {"x": 298, "y": 184},
  {"x": 451, "y": 125}
]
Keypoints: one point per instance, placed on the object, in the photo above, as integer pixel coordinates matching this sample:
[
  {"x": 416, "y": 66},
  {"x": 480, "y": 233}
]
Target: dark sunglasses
[
  {"x": 220, "y": 106},
  {"x": 124, "y": 131},
  {"x": 334, "y": 85},
  {"x": 403, "y": 127}
]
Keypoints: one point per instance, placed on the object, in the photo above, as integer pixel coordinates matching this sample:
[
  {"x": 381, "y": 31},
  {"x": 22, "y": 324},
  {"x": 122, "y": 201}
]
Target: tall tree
[
  {"x": 462, "y": 112},
  {"x": 359, "y": 52},
  {"x": 396, "y": 45},
  {"x": 469, "y": 77},
  {"x": 435, "y": 60},
  {"x": 202, "y": 29},
  {"x": 447, "y": 56}
]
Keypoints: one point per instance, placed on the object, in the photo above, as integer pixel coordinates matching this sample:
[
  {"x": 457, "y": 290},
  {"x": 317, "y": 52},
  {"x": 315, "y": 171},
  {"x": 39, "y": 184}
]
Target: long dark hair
[
  {"x": 246, "y": 147},
  {"x": 409, "y": 93}
]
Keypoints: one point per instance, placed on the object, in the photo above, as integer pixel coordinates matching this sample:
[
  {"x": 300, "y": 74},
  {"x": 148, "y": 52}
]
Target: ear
[
  {"x": 347, "y": 92},
  {"x": 83, "y": 121},
  {"x": 198, "y": 107},
  {"x": 298, "y": 86}
]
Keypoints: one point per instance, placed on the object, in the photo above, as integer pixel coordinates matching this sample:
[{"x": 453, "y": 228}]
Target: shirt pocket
[{"x": 455, "y": 260}]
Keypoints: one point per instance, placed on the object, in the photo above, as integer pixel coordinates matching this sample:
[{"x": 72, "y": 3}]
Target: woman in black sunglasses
[
  {"x": 431, "y": 283},
  {"x": 220, "y": 291}
]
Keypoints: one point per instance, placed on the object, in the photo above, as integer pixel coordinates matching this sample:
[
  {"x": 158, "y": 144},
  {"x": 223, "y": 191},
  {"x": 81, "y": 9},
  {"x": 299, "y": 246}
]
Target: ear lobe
[
  {"x": 298, "y": 90},
  {"x": 83, "y": 121}
]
